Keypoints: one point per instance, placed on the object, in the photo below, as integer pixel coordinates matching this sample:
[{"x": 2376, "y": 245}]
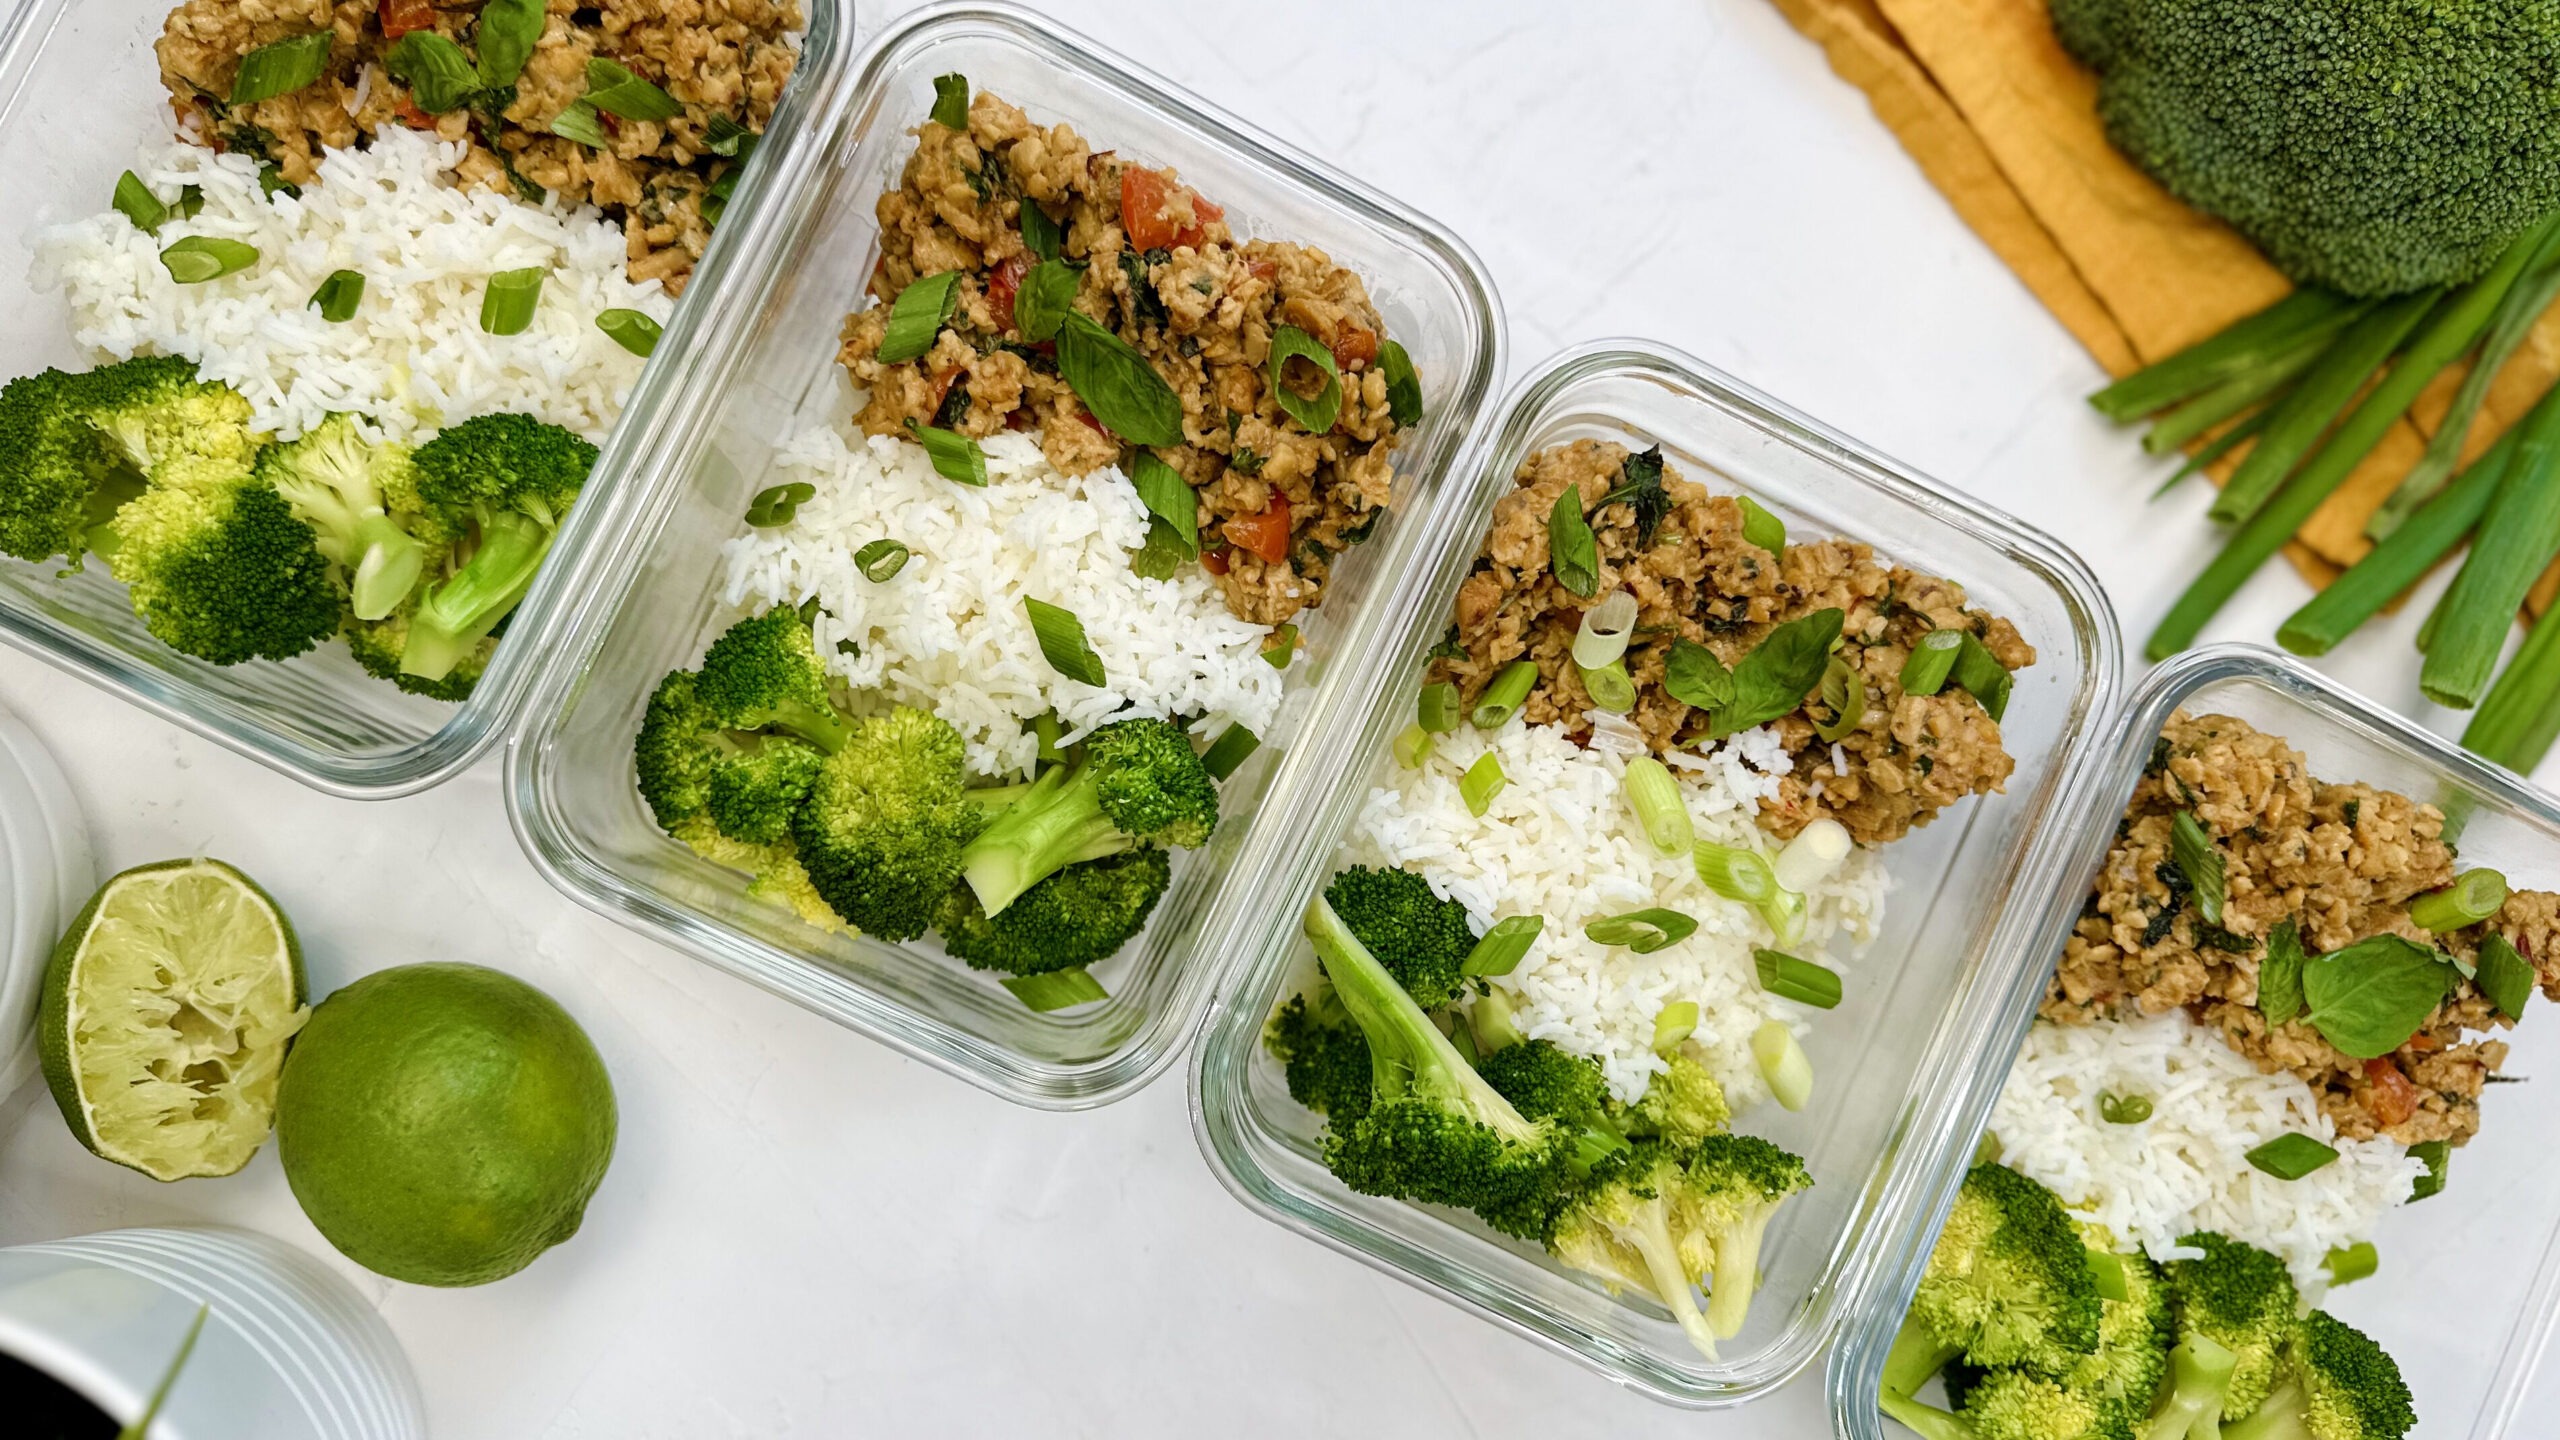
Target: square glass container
[
  {"x": 570, "y": 785},
  {"x": 1882, "y": 1128},
  {"x": 2470, "y": 1278},
  {"x": 79, "y": 94}
]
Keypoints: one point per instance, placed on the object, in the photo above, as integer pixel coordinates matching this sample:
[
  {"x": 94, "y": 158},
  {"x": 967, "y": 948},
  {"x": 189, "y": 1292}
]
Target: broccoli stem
[
  {"x": 1737, "y": 1272},
  {"x": 1927, "y": 1421},
  {"x": 2401, "y": 559},
  {"x": 1916, "y": 1355},
  {"x": 1054, "y": 822},
  {"x": 1650, "y": 1233},
  {"x": 2200, "y": 1371},
  {"x": 119, "y": 485},
  {"x": 458, "y": 614},
  {"x": 1406, "y": 1051},
  {"x": 2278, "y": 1417},
  {"x": 2516, "y": 539},
  {"x": 2305, "y": 317},
  {"x": 388, "y": 562}
]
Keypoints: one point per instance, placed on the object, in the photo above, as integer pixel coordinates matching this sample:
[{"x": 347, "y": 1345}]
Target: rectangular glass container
[
  {"x": 570, "y": 785},
  {"x": 79, "y": 94},
  {"x": 1879, "y": 1132},
  {"x": 2470, "y": 1278}
]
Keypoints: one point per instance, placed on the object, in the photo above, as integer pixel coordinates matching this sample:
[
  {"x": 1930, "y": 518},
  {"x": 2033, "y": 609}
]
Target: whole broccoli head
[
  {"x": 2369, "y": 146},
  {"x": 2243, "y": 1299},
  {"x": 1322, "y": 1054},
  {"x": 882, "y": 831},
  {"x": 1138, "y": 782},
  {"x": 2008, "y": 1285},
  {"x": 1078, "y": 917},
  {"x": 1422, "y": 939},
  {"x": 2333, "y": 1383},
  {"x": 333, "y": 478}
]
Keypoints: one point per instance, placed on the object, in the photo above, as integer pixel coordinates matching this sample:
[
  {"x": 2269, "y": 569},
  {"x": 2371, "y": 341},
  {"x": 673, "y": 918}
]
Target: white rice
[
  {"x": 949, "y": 632},
  {"x": 1560, "y": 841},
  {"x": 414, "y": 358},
  {"x": 2185, "y": 1169}
]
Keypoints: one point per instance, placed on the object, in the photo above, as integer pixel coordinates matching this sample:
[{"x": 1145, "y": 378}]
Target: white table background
[{"x": 804, "y": 1234}]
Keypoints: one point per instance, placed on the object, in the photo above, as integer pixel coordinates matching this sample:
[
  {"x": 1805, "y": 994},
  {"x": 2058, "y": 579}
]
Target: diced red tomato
[
  {"x": 399, "y": 17},
  {"x": 1019, "y": 419},
  {"x": 2394, "y": 1098},
  {"x": 1266, "y": 534},
  {"x": 1004, "y": 285},
  {"x": 1143, "y": 196},
  {"x": 1214, "y": 561},
  {"x": 942, "y": 384},
  {"x": 2422, "y": 1044},
  {"x": 415, "y": 118},
  {"x": 1206, "y": 212},
  {"x": 1354, "y": 344},
  {"x": 1266, "y": 271},
  {"x": 1087, "y": 417}
]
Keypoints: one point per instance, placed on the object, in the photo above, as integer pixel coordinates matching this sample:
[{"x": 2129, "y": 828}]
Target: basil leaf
[
  {"x": 616, "y": 91},
  {"x": 1843, "y": 692},
  {"x": 1169, "y": 498},
  {"x": 1572, "y": 551},
  {"x": 1117, "y": 384},
  {"x": 1063, "y": 643},
  {"x": 136, "y": 203},
  {"x": 271, "y": 181},
  {"x": 1039, "y": 232},
  {"x": 1041, "y": 304},
  {"x": 440, "y": 76},
  {"x": 1694, "y": 676},
  {"x": 2506, "y": 977},
  {"x": 2201, "y": 863},
  {"x": 2370, "y": 997},
  {"x": 951, "y": 101},
  {"x": 1640, "y": 487},
  {"x": 1774, "y": 678},
  {"x": 918, "y": 315},
  {"x": 1404, "y": 387},
  {"x": 2280, "y": 975},
  {"x": 1318, "y": 412},
  {"x": 338, "y": 296},
  {"x": 722, "y": 135},
  {"x": 506, "y": 37},
  {"x": 715, "y": 201},
  {"x": 281, "y": 68},
  {"x": 579, "y": 123},
  {"x": 1760, "y": 527}
]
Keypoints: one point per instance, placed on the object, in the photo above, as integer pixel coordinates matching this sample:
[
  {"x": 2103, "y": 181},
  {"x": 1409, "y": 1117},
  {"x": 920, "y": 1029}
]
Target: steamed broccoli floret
[
  {"x": 1077, "y": 917},
  {"x": 1139, "y": 782},
  {"x": 776, "y": 869},
  {"x": 2241, "y": 1298},
  {"x": 884, "y": 827},
  {"x": 1323, "y": 1055},
  {"x": 1544, "y": 1082},
  {"x": 333, "y": 479},
  {"x": 1420, "y": 938},
  {"x": 2134, "y": 1333},
  {"x": 2014, "y": 1405},
  {"x": 61, "y": 475},
  {"x": 499, "y": 485},
  {"x": 2199, "y": 1382},
  {"x": 1434, "y": 1131},
  {"x": 763, "y": 673},
  {"x": 379, "y": 644},
  {"x": 2333, "y": 1383},
  {"x": 2368, "y": 146},
  {"x": 219, "y": 567},
  {"x": 2007, "y": 1285},
  {"x": 1681, "y": 1103},
  {"x": 716, "y": 742}
]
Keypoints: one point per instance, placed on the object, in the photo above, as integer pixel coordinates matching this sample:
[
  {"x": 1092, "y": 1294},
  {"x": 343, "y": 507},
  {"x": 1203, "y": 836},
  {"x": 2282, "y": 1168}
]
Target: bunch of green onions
[{"x": 2312, "y": 384}]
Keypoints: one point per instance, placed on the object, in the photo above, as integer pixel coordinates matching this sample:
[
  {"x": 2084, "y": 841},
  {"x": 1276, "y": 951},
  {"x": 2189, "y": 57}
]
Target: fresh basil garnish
[
  {"x": 1041, "y": 302},
  {"x": 441, "y": 78},
  {"x": 1843, "y": 692},
  {"x": 338, "y": 296},
  {"x": 1694, "y": 676},
  {"x": 1169, "y": 498},
  {"x": 1572, "y": 551},
  {"x": 1640, "y": 486},
  {"x": 580, "y": 123},
  {"x": 1317, "y": 412},
  {"x": 2193, "y": 850},
  {"x": 2506, "y": 977},
  {"x": 723, "y": 136},
  {"x": 2280, "y": 974},
  {"x": 2369, "y": 998},
  {"x": 1063, "y": 643},
  {"x": 280, "y": 68},
  {"x": 1775, "y": 677},
  {"x": 506, "y": 37},
  {"x": 1404, "y": 387},
  {"x": 1039, "y": 232},
  {"x": 1117, "y": 384},
  {"x": 951, "y": 101}
]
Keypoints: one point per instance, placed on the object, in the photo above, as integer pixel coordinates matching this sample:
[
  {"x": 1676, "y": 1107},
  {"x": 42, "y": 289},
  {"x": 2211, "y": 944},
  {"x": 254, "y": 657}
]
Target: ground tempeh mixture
[
  {"x": 1700, "y": 580},
  {"x": 1161, "y": 269},
  {"x": 2341, "y": 860}
]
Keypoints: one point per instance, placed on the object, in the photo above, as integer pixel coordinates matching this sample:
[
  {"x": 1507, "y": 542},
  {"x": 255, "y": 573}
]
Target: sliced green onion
[
  {"x": 918, "y": 315},
  {"x": 1412, "y": 746},
  {"x": 1230, "y": 750},
  {"x": 1980, "y": 674},
  {"x": 2123, "y": 1109},
  {"x": 1042, "y": 301},
  {"x": 775, "y": 505},
  {"x": 579, "y": 122},
  {"x": 507, "y": 305},
  {"x": 1164, "y": 554},
  {"x": 2474, "y": 896},
  {"x": 1610, "y": 687},
  {"x": 1675, "y": 1023},
  {"x": 281, "y": 67},
  {"x": 1932, "y": 662},
  {"x": 1491, "y": 1020},
  {"x": 631, "y": 330},
  {"x": 440, "y": 77},
  {"x": 1168, "y": 497},
  {"x": 338, "y": 296},
  {"x": 1117, "y": 384},
  {"x": 1503, "y": 698},
  {"x": 614, "y": 90},
  {"x": 136, "y": 203},
  {"x": 2349, "y": 1263},
  {"x": 1783, "y": 1064},
  {"x": 1802, "y": 981},
  {"x": 1315, "y": 413},
  {"x": 1439, "y": 709},
  {"x": 1808, "y": 860},
  {"x": 2194, "y": 851},
  {"x": 2504, "y": 976},
  {"x": 2107, "y": 1269},
  {"x": 1404, "y": 387},
  {"x": 1760, "y": 527},
  {"x": 955, "y": 456},
  {"x": 1843, "y": 692},
  {"x": 1503, "y": 946},
  {"x": 271, "y": 181},
  {"x": 1281, "y": 647},
  {"x": 2291, "y": 1156},
  {"x": 199, "y": 258},
  {"x": 1605, "y": 629},
  {"x": 1573, "y": 552},
  {"x": 1643, "y": 931},
  {"x": 951, "y": 101},
  {"x": 2437, "y": 1156},
  {"x": 1063, "y": 643},
  {"x": 881, "y": 560},
  {"x": 1483, "y": 780},
  {"x": 1739, "y": 875},
  {"x": 190, "y": 202},
  {"x": 1040, "y": 233},
  {"x": 1659, "y": 807},
  {"x": 505, "y": 39},
  {"x": 1057, "y": 990}
]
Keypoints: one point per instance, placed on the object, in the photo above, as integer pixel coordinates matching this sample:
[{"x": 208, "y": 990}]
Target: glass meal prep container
[
  {"x": 570, "y": 779},
  {"x": 80, "y": 92},
  {"x": 2469, "y": 1282},
  {"x": 1879, "y": 1135}
]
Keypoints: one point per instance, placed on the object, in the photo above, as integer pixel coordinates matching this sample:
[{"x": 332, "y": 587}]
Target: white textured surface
[{"x": 806, "y": 1235}]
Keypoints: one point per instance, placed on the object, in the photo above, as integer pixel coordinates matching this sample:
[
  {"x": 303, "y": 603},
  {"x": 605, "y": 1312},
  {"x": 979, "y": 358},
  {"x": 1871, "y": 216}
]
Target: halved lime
[{"x": 167, "y": 1010}]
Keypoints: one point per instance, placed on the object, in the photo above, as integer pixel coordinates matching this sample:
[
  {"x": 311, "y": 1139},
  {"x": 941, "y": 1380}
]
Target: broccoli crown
[
  {"x": 2349, "y": 1388},
  {"x": 764, "y": 673},
  {"x": 2241, "y": 1298},
  {"x": 882, "y": 832},
  {"x": 1323, "y": 1055},
  {"x": 159, "y": 416},
  {"x": 220, "y": 568},
  {"x": 776, "y": 870},
  {"x": 1542, "y": 1081},
  {"x": 2368, "y": 146},
  {"x": 2014, "y": 1405},
  {"x": 673, "y": 764},
  {"x": 378, "y": 646},
  {"x": 759, "y": 785},
  {"x": 1420, "y": 938},
  {"x": 76, "y": 445},
  {"x": 1151, "y": 783},
  {"x": 1681, "y": 1103},
  {"x": 501, "y": 462},
  {"x": 1137, "y": 782},
  {"x": 2009, "y": 1281},
  {"x": 2134, "y": 1334},
  {"x": 1076, "y": 917},
  {"x": 328, "y": 477}
]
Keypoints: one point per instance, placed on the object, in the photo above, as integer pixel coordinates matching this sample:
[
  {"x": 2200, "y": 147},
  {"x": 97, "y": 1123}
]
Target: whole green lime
[{"x": 444, "y": 1124}]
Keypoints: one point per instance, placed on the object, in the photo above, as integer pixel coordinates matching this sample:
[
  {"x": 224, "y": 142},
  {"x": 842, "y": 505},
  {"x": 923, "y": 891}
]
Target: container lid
[{"x": 46, "y": 873}]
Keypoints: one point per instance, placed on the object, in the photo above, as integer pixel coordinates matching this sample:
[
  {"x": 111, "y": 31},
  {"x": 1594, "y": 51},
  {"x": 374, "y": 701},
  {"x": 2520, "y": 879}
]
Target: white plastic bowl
[{"x": 46, "y": 874}]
